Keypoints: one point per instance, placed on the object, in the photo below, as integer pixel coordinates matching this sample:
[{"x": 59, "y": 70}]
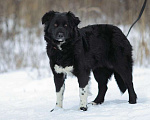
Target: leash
[{"x": 141, "y": 12}]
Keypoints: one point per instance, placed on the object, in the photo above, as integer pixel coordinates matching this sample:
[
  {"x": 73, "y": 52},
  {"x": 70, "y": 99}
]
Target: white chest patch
[{"x": 60, "y": 69}]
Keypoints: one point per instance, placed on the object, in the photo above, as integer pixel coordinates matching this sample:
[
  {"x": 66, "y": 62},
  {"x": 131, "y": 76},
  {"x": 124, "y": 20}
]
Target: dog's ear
[
  {"x": 48, "y": 16},
  {"x": 74, "y": 20}
]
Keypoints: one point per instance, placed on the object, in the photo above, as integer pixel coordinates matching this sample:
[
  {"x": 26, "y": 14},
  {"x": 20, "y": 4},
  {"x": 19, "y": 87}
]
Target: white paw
[
  {"x": 84, "y": 108},
  {"x": 92, "y": 103},
  {"x": 56, "y": 108}
]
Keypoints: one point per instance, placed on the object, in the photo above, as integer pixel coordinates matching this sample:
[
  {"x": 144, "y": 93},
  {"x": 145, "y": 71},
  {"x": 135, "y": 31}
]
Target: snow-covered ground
[{"x": 24, "y": 98}]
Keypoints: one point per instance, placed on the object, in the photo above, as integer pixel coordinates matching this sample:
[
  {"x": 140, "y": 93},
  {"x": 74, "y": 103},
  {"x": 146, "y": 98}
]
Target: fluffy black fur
[{"x": 101, "y": 48}]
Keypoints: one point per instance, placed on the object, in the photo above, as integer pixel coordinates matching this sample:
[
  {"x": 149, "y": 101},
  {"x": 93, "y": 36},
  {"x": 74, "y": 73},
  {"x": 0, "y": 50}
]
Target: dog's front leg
[
  {"x": 60, "y": 87},
  {"x": 83, "y": 91}
]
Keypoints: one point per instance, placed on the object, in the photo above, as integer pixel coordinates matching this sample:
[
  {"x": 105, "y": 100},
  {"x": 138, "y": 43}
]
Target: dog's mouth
[{"x": 60, "y": 39}]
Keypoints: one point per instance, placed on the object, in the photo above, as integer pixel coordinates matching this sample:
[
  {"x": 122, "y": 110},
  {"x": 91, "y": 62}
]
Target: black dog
[{"x": 104, "y": 49}]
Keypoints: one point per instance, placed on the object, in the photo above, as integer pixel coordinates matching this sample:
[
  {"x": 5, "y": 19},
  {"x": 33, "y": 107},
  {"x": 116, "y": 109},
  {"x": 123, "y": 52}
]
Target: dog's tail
[
  {"x": 120, "y": 82},
  {"x": 141, "y": 12}
]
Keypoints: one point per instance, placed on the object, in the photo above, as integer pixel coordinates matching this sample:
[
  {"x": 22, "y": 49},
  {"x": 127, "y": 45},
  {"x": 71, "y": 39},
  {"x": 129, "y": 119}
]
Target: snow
[{"x": 25, "y": 98}]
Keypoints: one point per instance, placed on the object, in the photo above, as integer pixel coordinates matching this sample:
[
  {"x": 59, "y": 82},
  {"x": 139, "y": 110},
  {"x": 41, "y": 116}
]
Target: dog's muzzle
[{"x": 60, "y": 37}]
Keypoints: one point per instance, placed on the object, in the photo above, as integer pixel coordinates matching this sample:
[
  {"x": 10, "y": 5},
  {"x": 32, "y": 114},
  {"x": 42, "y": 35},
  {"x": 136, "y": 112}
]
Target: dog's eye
[
  {"x": 65, "y": 25},
  {"x": 55, "y": 25}
]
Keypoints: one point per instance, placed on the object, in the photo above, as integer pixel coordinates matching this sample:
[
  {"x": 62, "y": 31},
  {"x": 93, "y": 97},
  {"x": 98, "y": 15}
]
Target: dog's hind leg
[{"x": 101, "y": 75}]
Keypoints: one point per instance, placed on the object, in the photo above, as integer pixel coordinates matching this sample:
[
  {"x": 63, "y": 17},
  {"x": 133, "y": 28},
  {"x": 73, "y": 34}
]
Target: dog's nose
[{"x": 60, "y": 35}]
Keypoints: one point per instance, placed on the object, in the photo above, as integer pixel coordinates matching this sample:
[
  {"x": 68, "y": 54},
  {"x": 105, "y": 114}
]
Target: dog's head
[{"x": 60, "y": 26}]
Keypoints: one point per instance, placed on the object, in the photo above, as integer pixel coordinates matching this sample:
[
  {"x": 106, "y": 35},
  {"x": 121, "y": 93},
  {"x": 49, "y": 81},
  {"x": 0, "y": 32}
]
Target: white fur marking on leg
[
  {"x": 59, "y": 95},
  {"x": 83, "y": 96}
]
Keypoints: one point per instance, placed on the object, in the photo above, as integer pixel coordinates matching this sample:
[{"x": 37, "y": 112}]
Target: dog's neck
[{"x": 63, "y": 54}]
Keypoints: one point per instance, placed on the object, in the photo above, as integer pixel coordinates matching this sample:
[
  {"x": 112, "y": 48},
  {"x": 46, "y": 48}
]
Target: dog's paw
[
  {"x": 52, "y": 110},
  {"x": 132, "y": 101},
  {"x": 92, "y": 103},
  {"x": 83, "y": 108},
  {"x": 56, "y": 108}
]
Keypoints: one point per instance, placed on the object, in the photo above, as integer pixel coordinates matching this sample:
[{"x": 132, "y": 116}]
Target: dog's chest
[
  {"x": 65, "y": 70},
  {"x": 63, "y": 60}
]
